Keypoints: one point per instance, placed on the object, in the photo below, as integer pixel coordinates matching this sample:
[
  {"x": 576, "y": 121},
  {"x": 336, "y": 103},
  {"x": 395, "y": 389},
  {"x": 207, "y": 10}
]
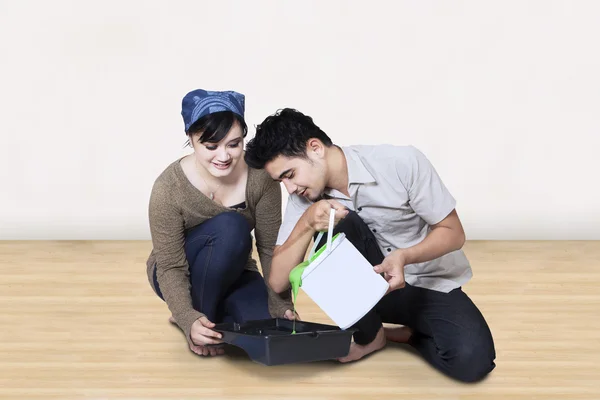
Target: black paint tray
[{"x": 271, "y": 342}]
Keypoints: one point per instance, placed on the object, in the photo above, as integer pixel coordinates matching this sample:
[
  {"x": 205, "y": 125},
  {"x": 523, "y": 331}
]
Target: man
[{"x": 394, "y": 208}]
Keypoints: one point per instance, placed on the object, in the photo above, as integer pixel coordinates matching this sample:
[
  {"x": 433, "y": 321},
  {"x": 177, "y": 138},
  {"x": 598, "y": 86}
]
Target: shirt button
[
  {"x": 374, "y": 230},
  {"x": 359, "y": 208},
  {"x": 388, "y": 249}
]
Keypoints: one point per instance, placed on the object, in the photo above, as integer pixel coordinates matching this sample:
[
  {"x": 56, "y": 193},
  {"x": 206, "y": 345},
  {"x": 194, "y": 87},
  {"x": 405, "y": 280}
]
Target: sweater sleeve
[
  {"x": 268, "y": 221},
  {"x": 172, "y": 270}
]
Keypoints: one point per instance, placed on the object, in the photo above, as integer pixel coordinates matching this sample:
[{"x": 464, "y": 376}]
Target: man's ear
[{"x": 315, "y": 146}]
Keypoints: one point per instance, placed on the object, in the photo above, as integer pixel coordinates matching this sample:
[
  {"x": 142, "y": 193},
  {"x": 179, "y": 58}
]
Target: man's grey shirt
[{"x": 397, "y": 192}]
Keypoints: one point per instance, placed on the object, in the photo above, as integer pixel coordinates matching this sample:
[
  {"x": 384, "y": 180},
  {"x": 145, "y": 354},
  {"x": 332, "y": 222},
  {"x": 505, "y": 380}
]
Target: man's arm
[
  {"x": 288, "y": 255},
  {"x": 431, "y": 200},
  {"x": 446, "y": 236},
  {"x": 292, "y": 251}
]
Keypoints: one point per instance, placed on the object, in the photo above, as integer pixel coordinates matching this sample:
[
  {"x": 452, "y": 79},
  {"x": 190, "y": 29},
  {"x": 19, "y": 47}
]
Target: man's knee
[
  {"x": 471, "y": 362},
  {"x": 360, "y": 235}
]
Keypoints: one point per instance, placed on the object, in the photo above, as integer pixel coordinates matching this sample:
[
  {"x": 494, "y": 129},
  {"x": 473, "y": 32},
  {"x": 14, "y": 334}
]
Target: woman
[{"x": 202, "y": 209}]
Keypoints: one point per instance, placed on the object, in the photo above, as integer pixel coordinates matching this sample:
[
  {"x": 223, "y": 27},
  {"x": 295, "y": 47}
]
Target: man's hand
[
  {"x": 317, "y": 215},
  {"x": 393, "y": 269},
  {"x": 292, "y": 252}
]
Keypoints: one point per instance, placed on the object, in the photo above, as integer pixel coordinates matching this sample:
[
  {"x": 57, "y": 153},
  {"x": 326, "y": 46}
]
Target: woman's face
[{"x": 221, "y": 158}]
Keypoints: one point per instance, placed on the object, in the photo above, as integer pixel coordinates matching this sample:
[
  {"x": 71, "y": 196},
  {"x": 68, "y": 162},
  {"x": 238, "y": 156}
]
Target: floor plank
[{"x": 79, "y": 320}]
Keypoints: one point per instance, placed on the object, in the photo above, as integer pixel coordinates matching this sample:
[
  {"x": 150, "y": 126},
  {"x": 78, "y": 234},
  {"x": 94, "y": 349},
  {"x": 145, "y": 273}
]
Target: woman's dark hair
[
  {"x": 214, "y": 127},
  {"x": 284, "y": 133}
]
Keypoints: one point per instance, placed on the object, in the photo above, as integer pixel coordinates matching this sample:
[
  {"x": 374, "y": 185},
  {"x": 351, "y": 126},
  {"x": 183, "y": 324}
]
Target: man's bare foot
[
  {"x": 398, "y": 335},
  {"x": 358, "y": 351}
]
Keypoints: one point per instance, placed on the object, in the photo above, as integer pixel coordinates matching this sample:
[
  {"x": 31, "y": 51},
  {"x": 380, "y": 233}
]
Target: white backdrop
[{"x": 503, "y": 97}]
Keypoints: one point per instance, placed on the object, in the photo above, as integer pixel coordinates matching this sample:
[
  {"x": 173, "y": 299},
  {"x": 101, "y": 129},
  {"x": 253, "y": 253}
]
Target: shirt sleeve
[
  {"x": 293, "y": 211},
  {"x": 172, "y": 270},
  {"x": 268, "y": 221},
  {"x": 428, "y": 196}
]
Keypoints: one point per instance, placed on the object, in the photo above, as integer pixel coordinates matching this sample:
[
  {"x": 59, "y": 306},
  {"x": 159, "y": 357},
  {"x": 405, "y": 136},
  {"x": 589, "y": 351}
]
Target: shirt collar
[{"x": 357, "y": 172}]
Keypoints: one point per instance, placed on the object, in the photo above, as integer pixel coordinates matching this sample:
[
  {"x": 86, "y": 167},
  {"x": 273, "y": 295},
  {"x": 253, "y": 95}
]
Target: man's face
[{"x": 303, "y": 176}]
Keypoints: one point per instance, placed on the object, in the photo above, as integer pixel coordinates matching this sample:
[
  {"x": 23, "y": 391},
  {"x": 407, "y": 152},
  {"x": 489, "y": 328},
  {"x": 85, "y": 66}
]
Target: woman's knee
[
  {"x": 233, "y": 234},
  {"x": 232, "y": 220},
  {"x": 225, "y": 225},
  {"x": 226, "y": 237}
]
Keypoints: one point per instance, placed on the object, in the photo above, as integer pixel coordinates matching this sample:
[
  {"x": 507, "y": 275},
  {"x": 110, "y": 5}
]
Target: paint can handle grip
[{"x": 329, "y": 235}]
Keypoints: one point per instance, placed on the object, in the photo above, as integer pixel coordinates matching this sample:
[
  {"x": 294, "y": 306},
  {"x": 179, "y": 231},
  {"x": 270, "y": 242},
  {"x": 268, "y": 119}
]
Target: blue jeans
[
  {"x": 449, "y": 331},
  {"x": 217, "y": 252}
]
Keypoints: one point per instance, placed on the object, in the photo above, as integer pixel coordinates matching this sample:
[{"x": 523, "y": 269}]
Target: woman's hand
[
  {"x": 202, "y": 335},
  {"x": 289, "y": 314}
]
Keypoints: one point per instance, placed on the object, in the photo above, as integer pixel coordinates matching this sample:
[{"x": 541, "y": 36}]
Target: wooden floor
[{"x": 78, "y": 320}]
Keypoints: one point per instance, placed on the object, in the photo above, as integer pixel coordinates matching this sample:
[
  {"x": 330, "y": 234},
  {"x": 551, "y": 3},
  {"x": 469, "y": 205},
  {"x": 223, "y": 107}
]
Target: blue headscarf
[{"x": 198, "y": 103}]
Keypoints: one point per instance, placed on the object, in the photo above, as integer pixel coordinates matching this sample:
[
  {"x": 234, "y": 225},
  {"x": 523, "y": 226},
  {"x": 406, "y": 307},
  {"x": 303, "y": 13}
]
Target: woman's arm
[
  {"x": 268, "y": 221},
  {"x": 172, "y": 270}
]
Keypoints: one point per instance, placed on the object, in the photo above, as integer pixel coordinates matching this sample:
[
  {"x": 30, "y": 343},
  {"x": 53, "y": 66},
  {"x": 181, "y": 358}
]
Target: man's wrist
[
  {"x": 307, "y": 226},
  {"x": 406, "y": 255}
]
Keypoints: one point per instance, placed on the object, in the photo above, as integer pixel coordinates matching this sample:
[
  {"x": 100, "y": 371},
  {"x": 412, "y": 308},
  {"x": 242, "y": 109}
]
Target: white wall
[{"x": 504, "y": 98}]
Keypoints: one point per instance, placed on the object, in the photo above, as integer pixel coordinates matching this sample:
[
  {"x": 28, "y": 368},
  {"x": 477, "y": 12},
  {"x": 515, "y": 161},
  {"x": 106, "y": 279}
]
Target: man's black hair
[{"x": 284, "y": 133}]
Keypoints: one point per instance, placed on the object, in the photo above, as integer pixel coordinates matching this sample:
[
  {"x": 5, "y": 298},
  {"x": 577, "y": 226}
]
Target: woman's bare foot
[
  {"x": 358, "y": 351},
  {"x": 207, "y": 351},
  {"x": 398, "y": 335},
  {"x": 172, "y": 320}
]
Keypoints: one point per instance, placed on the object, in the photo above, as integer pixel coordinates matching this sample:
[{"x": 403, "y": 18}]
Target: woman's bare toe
[{"x": 207, "y": 351}]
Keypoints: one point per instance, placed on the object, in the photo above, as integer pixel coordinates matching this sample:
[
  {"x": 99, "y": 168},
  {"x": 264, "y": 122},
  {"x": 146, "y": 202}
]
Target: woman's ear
[{"x": 191, "y": 138}]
